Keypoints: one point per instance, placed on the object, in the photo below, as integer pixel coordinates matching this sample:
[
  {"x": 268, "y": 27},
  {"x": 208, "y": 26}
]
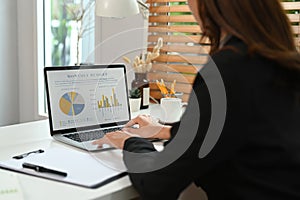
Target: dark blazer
[{"x": 258, "y": 153}]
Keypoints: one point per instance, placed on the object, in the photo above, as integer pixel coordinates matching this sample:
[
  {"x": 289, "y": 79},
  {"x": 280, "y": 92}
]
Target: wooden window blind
[
  {"x": 182, "y": 54},
  {"x": 293, "y": 12}
]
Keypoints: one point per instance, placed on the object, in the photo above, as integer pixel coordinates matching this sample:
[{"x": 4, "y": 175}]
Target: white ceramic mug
[{"x": 171, "y": 110}]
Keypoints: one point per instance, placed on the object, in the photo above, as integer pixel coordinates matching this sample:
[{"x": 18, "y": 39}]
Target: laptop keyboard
[{"x": 90, "y": 135}]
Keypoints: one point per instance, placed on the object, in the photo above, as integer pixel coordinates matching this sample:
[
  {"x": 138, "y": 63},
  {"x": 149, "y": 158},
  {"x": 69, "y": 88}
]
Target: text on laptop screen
[{"x": 87, "y": 97}]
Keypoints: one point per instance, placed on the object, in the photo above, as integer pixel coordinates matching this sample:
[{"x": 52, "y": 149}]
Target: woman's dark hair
[{"x": 261, "y": 24}]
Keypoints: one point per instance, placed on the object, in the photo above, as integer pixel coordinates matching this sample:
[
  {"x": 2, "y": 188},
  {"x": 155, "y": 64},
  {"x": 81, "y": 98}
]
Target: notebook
[{"x": 86, "y": 102}]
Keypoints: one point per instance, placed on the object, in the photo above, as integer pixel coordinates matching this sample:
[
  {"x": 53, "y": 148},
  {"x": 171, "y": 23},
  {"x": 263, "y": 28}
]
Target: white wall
[
  {"x": 116, "y": 38},
  {"x": 9, "y": 75},
  {"x": 30, "y": 61}
]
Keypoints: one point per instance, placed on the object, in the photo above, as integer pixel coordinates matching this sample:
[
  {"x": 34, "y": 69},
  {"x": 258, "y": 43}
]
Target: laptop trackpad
[{"x": 91, "y": 147}]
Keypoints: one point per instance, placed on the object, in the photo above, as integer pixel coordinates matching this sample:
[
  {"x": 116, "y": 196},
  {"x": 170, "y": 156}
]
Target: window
[
  {"x": 68, "y": 37},
  {"x": 69, "y": 31}
]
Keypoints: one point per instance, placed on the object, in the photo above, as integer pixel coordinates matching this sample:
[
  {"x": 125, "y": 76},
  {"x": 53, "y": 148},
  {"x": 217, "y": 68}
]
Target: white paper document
[{"x": 83, "y": 168}]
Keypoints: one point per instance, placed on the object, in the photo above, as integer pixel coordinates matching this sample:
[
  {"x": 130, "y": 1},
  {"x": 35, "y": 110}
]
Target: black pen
[
  {"x": 38, "y": 168},
  {"x": 24, "y": 155}
]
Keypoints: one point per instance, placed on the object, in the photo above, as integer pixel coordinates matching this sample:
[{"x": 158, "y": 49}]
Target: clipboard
[{"x": 85, "y": 169}]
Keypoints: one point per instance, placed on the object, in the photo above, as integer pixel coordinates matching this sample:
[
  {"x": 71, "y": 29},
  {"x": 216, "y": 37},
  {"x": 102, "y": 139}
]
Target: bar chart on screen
[
  {"x": 109, "y": 106},
  {"x": 106, "y": 102}
]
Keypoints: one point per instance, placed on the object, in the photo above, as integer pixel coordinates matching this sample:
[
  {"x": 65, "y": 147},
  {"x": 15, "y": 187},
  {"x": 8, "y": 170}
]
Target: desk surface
[{"x": 20, "y": 138}]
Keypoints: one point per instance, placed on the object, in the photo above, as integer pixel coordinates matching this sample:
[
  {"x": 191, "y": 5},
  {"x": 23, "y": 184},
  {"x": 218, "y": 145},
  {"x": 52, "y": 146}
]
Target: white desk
[{"x": 17, "y": 139}]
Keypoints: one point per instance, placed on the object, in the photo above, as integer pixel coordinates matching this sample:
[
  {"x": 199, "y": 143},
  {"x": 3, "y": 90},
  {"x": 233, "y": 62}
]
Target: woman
[{"x": 258, "y": 153}]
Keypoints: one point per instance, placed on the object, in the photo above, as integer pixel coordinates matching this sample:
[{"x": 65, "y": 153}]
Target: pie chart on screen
[{"x": 71, "y": 103}]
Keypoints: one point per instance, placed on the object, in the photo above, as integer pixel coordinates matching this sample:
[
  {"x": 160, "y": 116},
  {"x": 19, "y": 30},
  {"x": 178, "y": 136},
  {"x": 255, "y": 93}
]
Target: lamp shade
[{"x": 116, "y": 8}]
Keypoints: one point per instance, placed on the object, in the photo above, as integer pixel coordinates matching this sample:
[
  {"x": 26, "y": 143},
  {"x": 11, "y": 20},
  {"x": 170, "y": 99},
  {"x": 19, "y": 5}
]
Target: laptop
[{"x": 86, "y": 102}]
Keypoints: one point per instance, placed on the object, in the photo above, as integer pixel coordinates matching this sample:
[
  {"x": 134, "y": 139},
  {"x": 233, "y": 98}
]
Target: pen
[
  {"x": 27, "y": 154},
  {"x": 38, "y": 168}
]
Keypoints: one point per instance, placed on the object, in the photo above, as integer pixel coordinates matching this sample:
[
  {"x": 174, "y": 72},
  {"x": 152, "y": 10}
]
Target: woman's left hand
[{"x": 115, "y": 139}]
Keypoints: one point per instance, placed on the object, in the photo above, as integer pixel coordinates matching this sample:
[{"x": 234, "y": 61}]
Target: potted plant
[{"x": 135, "y": 99}]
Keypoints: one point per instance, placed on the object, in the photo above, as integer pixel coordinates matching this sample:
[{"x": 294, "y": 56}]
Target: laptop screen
[{"x": 86, "y": 96}]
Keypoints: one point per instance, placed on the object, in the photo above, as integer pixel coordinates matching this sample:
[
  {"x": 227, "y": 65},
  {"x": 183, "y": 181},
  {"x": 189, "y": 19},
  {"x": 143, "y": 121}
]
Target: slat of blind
[
  {"x": 182, "y": 87},
  {"x": 294, "y": 17},
  {"x": 158, "y": 67},
  {"x": 170, "y": 77},
  {"x": 169, "y": 9},
  {"x": 291, "y": 5},
  {"x": 297, "y": 41},
  {"x": 296, "y": 29},
  {"x": 168, "y": 18},
  {"x": 183, "y": 49},
  {"x": 157, "y": 95},
  {"x": 182, "y": 59},
  {"x": 178, "y": 38},
  {"x": 182, "y": 29}
]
